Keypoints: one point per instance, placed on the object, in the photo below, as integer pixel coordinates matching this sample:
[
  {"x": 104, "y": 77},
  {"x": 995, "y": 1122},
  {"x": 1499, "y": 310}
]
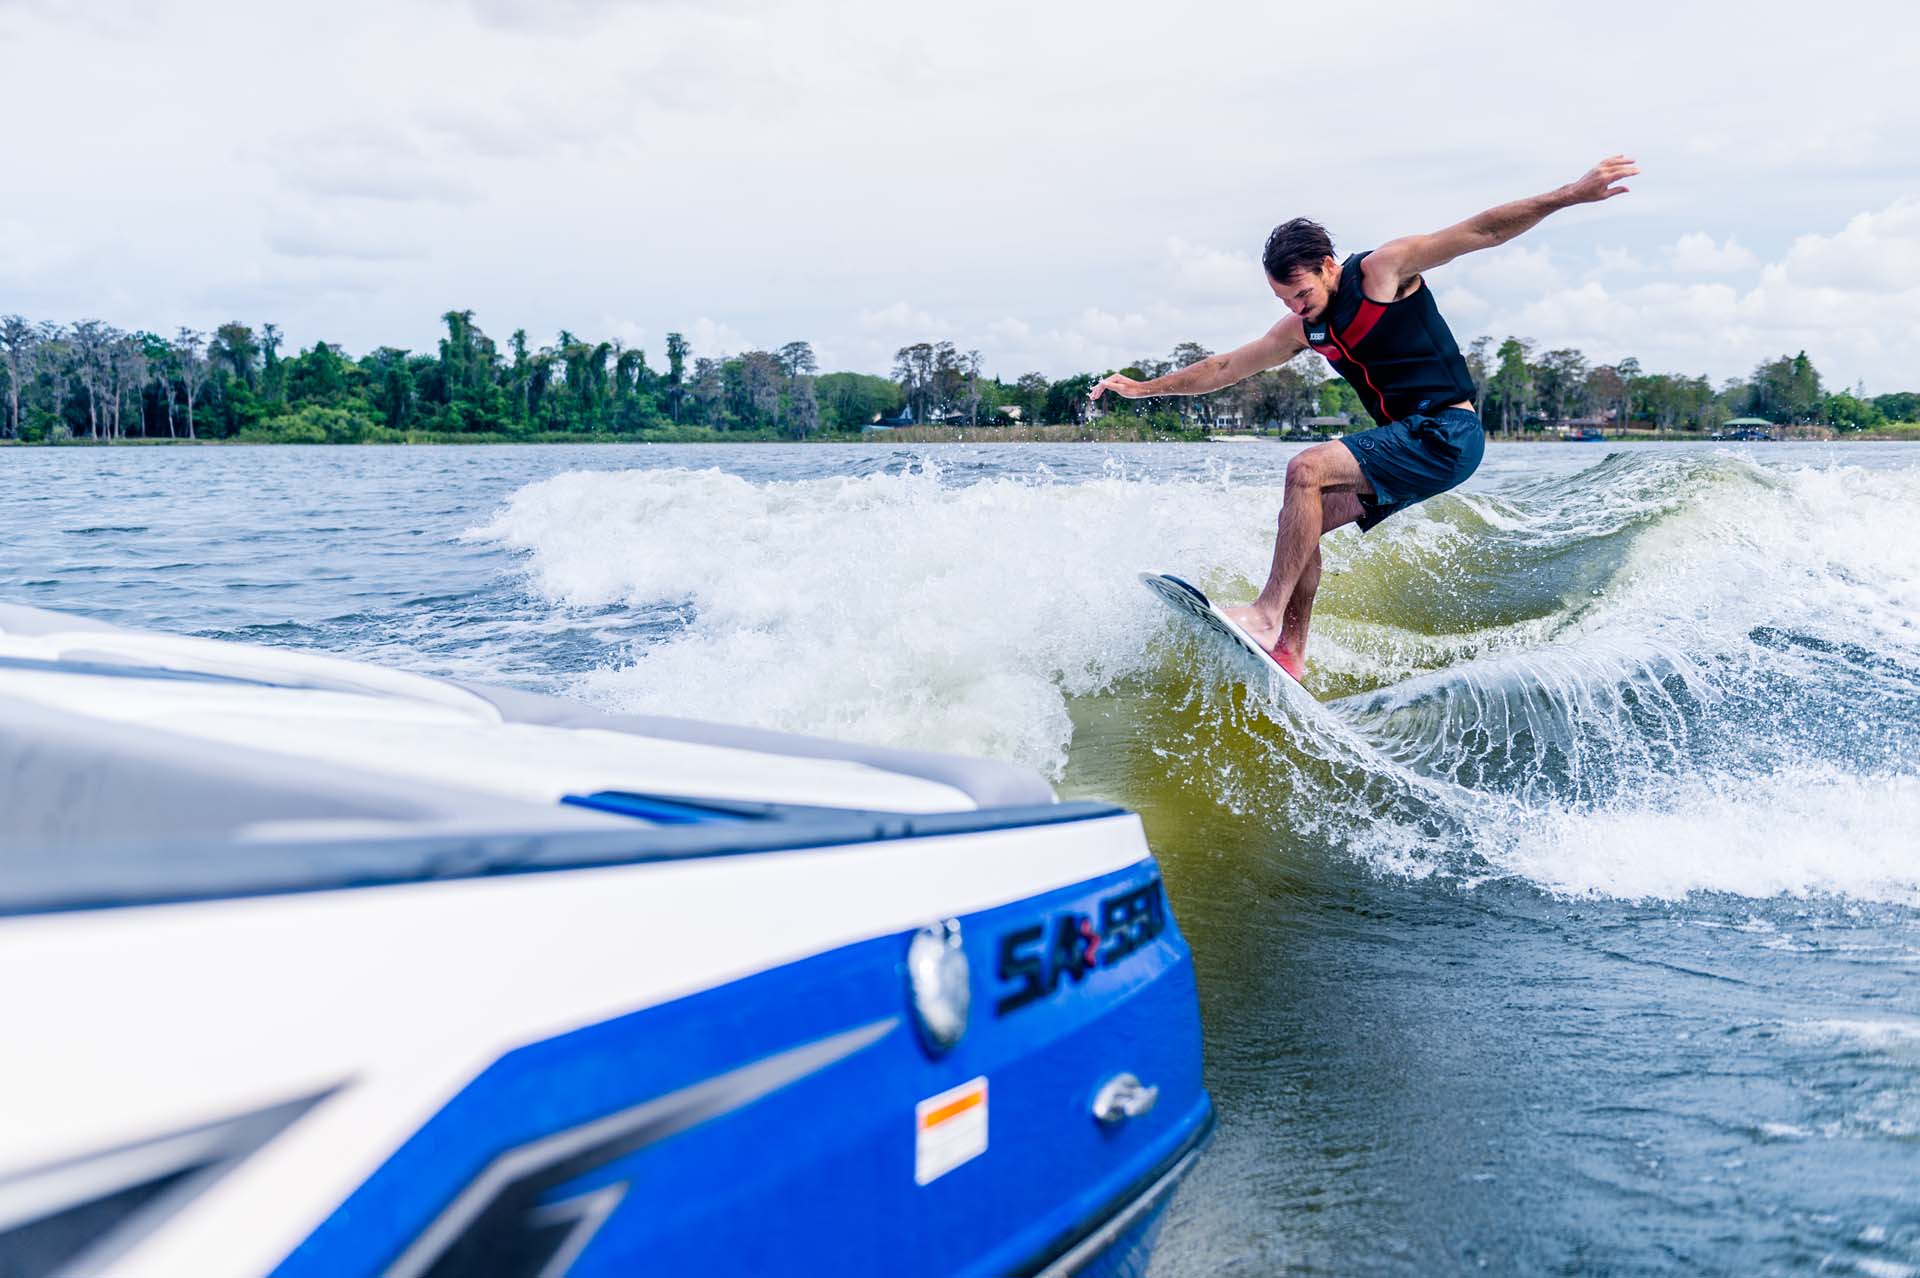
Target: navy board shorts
[{"x": 1420, "y": 456}]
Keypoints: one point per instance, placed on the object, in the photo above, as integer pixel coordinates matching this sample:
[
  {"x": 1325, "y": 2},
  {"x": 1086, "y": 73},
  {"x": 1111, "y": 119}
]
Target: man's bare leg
[
  {"x": 1323, "y": 488},
  {"x": 1337, "y": 509},
  {"x": 1291, "y": 648}
]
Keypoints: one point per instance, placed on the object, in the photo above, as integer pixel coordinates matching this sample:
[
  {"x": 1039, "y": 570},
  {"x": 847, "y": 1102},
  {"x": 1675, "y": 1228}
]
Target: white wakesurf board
[{"x": 1190, "y": 601}]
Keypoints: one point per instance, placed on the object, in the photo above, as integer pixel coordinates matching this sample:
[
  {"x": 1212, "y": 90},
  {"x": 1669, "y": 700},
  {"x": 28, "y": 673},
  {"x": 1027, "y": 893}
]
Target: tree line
[
  {"x": 1520, "y": 389},
  {"x": 89, "y": 380}
]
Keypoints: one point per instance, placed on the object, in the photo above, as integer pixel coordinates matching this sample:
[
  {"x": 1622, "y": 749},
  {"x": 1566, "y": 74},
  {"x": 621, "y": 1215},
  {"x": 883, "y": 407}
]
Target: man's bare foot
[
  {"x": 1293, "y": 663},
  {"x": 1264, "y": 628},
  {"x": 1265, "y": 631}
]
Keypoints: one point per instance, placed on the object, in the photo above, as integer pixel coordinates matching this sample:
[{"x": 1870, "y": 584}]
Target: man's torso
[{"x": 1399, "y": 356}]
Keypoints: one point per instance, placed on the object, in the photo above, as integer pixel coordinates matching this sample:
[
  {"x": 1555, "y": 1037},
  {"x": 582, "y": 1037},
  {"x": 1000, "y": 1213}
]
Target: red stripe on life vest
[
  {"x": 1363, "y": 322},
  {"x": 1378, "y": 398}
]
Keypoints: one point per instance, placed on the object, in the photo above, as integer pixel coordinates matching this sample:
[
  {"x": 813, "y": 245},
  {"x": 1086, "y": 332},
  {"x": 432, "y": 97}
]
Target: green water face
[{"x": 1574, "y": 937}]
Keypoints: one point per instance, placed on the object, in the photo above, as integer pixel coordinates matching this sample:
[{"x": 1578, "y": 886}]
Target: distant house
[{"x": 879, "y": 422}]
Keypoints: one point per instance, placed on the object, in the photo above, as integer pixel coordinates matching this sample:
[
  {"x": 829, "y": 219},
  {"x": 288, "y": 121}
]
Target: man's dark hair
[{"x": 1299, "y": 245}]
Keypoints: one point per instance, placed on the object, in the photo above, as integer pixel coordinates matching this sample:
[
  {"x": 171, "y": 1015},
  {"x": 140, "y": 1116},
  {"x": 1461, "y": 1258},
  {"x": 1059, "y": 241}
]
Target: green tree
[
  {"x": 1900, "y": 406},
  {"x": 273, "y": 374},
  {"x": 1334, "y": 398},
  {"x": 394, "y": 395},
  {"x": 851, "y": 401},
  {"x": 1849, "y": 412},
  {"x": 1029, "y": 395},
  {"x": 1786, "y": 389},
  {"x": 1510, "y": 390},
  {"x": 1560, "y": 380},
  {"x": 21, "y": 344},
  {"x": 317, "y": 375},
  {"x": 1606, "y": 391},
  {"x": 797, "y": 359},
  {"x": 192, "y": 365},
  {"x": 235, "y": 351},
  {"x": 677, "y": 353},
  {"x": 913, "y": 368},
  {"x": 803, "y": 410},
  {"x": 162, "y": 368},
  {"x": 1067, "y": 400}
]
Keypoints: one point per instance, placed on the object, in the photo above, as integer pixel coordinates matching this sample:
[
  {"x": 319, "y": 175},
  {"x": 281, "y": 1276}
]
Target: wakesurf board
[{"x": 1191, "y": 602}]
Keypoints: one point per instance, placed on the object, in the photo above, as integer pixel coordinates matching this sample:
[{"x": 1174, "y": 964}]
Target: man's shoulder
[{"x": 1381, "y": 275}]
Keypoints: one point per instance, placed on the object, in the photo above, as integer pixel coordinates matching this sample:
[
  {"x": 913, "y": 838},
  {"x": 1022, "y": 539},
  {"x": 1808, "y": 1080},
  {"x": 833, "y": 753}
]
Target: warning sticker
[{"x": 949, "y": 1129}]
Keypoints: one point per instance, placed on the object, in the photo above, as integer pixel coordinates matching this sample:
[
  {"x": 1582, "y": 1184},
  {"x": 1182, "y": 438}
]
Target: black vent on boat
[{"x": 79, "y": 1215}]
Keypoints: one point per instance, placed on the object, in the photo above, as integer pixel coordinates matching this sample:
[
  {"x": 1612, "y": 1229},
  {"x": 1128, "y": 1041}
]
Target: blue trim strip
[{"x": 647, "y": 808}]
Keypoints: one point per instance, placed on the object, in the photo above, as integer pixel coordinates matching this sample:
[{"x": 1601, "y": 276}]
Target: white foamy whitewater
[{"x": 1666, "y": 672}]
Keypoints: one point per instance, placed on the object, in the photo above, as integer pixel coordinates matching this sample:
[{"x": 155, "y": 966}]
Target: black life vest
[{"x": 1400, "y": 356}]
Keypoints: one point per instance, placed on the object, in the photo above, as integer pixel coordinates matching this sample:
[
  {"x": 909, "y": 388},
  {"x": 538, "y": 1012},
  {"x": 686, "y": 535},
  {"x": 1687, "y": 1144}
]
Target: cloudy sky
[{"x": 1063, "y": 185}]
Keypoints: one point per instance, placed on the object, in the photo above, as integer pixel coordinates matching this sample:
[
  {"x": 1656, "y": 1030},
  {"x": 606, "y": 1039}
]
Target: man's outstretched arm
[
  {"x": 1398, "y": 261},
  {"x": 1269, "y": 350}
]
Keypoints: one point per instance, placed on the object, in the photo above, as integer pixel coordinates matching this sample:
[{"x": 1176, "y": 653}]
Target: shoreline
[{"x": 918, "y": 435}]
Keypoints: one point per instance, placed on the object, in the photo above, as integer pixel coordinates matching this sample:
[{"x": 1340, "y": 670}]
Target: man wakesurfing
[{"x": 1376, "y": 323}]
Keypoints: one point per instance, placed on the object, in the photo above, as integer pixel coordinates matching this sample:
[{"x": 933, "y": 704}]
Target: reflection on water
[{"x": 1575, "y": 931}]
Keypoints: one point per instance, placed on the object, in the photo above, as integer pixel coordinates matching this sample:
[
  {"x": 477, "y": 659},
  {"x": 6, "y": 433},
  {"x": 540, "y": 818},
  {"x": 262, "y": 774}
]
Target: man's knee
[
  {"x": 1320, "y": 467},
  {"x": 1303, "y": 471}
]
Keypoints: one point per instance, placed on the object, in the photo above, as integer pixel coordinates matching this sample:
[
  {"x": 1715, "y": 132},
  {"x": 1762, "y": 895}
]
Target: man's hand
[
  {"x": 1120, "y": 385},
  {"x": 1601, "y": 180}
]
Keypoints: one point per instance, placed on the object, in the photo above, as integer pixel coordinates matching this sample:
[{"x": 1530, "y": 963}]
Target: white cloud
[
  {"x": 1698, "y": 254},
  {"x": 1195, "y": 271},
  {"x": 1877, "y": 252},
  {"x": 340, "y": 233},
  {"x": 368, "y": 166},
  {"x": 1850, "y": 299},
  {"x": 903, "y": 318},
  {"x": 1617, "y": 261},
  {"x": 1104, "y": 326},
  {"x": 1465, "y": 308},
  {"x": 580, "y": 19},
  {"x": 23, "y": 253},
  {"x": 795, "y": 170},
  {"x": 626, "y": 332},
  {"x": 711, "y": 339},
  {"x": 1512, "y": 268}
]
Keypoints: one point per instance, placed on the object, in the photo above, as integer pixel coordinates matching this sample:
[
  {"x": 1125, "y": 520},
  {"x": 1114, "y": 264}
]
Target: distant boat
[{"x": 1746, "y": 428}]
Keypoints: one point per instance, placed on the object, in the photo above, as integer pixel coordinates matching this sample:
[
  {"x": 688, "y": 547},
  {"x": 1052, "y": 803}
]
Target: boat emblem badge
[
  {"x": 1033, "y": 959},
  {"x": 940, "y": 984}
]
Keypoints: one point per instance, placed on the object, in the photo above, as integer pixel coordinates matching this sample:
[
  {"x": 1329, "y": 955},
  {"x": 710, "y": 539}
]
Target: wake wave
[{"x": 1666, "y": 672}]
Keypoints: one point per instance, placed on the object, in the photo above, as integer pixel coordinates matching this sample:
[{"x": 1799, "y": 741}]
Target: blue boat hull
[{"x": 769, "y": 1125}]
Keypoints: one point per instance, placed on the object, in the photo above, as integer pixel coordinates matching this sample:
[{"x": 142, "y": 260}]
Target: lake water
[{"x": 1579, "y": 933}]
